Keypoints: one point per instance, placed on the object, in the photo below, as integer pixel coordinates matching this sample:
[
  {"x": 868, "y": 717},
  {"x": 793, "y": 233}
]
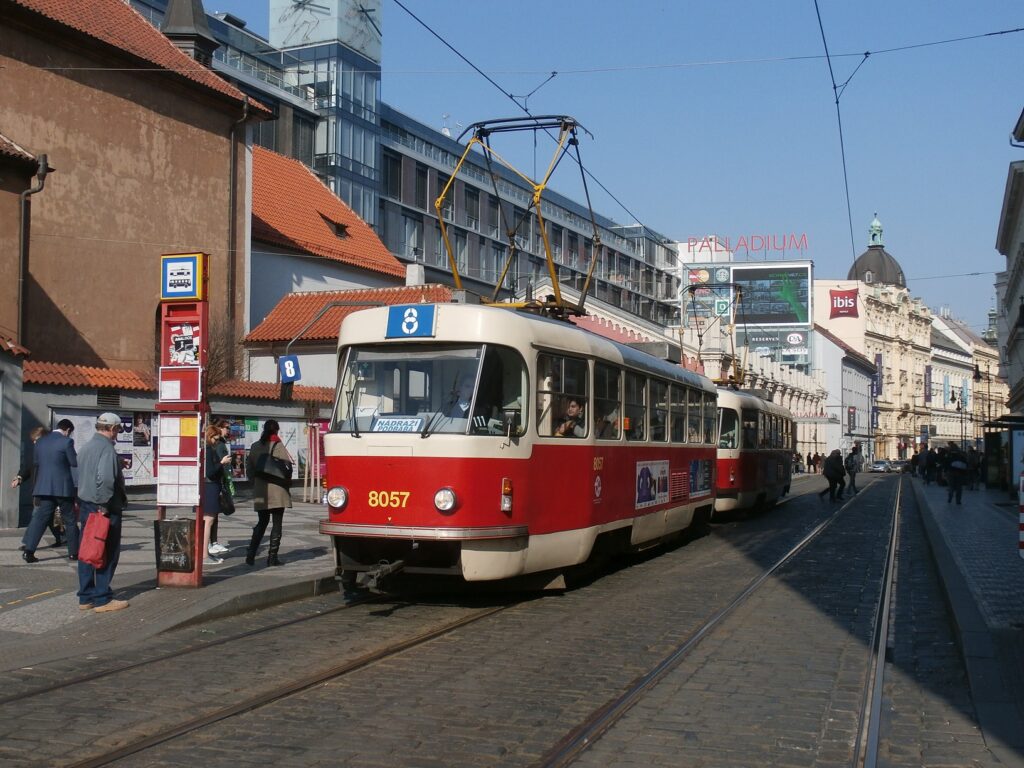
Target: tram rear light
[
  {"x": 732, "y": 475},
  {"x": 506, "y": 494},
  {"x": 337, "y": 497}
]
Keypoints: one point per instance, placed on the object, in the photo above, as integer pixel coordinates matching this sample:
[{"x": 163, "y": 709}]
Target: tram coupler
[{"x": 372, "y": 579}]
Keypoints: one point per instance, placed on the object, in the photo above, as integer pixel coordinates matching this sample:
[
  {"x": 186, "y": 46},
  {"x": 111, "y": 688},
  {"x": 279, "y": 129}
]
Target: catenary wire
[{"x": 837, "y": 92}]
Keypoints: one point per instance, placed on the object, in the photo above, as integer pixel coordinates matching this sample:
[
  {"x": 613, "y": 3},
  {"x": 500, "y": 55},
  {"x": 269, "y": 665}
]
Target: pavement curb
[
  {"x": 257, "y": 600},
  {"x": 993, "y": 702}
]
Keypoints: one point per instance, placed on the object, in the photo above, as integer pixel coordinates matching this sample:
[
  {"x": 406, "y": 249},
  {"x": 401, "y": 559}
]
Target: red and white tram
[
  {"x": 488, "y": 443},
  {"x": 755, "y": 452}
]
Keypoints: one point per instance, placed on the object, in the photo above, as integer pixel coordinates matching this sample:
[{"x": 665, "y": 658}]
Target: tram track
[
  {"x": 283, "y": 691},
  {"x": 184, "y": 731},
  {"x": 586, "y": 733},
  {"x": 24, "y": 696}
]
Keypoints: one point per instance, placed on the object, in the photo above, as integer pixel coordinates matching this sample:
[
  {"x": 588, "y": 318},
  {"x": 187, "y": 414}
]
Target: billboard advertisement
[
  {"x": 705, "y": 294},
  {"x": 773, "y": 294},
  {"x": 785, "y": 345}
]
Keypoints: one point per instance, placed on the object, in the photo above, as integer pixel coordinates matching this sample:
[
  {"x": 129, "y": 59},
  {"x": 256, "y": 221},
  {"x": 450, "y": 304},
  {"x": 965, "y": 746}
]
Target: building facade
[
  {"x": 873, "y": 312},
  {"x": 1010, "y": 283}
]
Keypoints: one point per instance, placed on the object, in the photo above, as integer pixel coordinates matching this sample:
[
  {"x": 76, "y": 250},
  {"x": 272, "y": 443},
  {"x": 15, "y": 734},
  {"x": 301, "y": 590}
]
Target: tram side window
[
  {"x": 694, "y": 416},
  {"x": 636, "y": 406},
  {"x": 607, "y": 401},
  {"x": 728, "y": 431},
  {"x": 762, "y": 430},
  {"x": 561, "y": 380},
  {"x": 749, "y": 429},
  {"x": 677, "y": 413},
  {"x": 710, "y": 418},
  {"x": 499, "y": 400},
  {"x": 659, "y": 410}
]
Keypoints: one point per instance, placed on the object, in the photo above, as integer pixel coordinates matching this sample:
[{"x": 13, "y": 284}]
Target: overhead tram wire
[
  {"x": 515, "y": 101},
  {"x": 597, "y": 70},
  {"x": 838, "y": 92}
]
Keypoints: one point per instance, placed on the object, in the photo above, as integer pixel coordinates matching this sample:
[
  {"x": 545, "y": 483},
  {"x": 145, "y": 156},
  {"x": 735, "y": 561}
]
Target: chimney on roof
[
  {"x": 185, "y": 26},
  {"x": 415, "y": 274}
]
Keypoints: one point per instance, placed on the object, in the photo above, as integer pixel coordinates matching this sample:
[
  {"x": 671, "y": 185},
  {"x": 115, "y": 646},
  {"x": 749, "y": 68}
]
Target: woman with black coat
[
  {"x": 270, "y": 494},
  {"x": 834, "y": 471}
]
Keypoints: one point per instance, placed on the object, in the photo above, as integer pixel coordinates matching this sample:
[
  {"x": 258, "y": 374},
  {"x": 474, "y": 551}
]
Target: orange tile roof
[
  {"x": 10, "y": 345},
  {"x": 269, "y": 390},
  {"x": 61, "y": 375},
  {"x": 296, "y": 309},
  {"x": 291, "y": 207},
  {"x": 9, "y": 149},
  {"x": 116, "y": 23}
]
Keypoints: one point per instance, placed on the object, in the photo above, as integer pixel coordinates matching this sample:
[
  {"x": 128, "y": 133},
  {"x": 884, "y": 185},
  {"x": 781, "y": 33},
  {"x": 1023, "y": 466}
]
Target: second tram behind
[
  {"x": 488, "y": 444},
  {"x": 755, "y": 452}
]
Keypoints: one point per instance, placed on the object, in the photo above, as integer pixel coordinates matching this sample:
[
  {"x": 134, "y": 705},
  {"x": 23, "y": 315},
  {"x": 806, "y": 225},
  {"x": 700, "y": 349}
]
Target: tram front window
[{"x": 439, "y": 389}]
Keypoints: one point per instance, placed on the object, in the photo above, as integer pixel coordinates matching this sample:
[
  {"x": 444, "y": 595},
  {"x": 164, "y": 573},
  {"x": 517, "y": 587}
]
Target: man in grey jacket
[{"x": 101, "y": 489}]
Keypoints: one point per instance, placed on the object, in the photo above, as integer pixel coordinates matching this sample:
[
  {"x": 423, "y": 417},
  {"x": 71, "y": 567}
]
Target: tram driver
[
  {"x": 461, "y": 397},
  {"x": 573, "y": 423}
]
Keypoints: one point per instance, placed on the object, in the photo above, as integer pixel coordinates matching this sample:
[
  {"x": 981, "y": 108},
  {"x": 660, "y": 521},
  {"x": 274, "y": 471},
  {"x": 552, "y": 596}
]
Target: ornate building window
[{"x": 869, "y": 276}]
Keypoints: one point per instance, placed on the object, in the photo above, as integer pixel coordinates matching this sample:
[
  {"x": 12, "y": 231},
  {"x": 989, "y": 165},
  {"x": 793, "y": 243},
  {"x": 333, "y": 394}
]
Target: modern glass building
[{"x": 320, "y": 73}]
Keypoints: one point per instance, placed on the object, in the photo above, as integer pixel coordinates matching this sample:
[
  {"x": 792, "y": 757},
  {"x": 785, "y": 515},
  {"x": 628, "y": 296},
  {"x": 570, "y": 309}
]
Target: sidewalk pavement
[
  {"x": 39, "y": 616},
  {"x": 976, "y": 549}
]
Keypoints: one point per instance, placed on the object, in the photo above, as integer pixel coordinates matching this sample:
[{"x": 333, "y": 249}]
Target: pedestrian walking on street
[
  {"x": 270, "y": 495},
  {"x": 216, "y": 460},
  {"x": 956, "y": 474},
  {"x": 973, "y": 467},
  {"x": 832, "y": 469},
  {"x": 101, "y": 489},
  {"x": 854, "y": 464},
  {"x": 51, "y": 469}
]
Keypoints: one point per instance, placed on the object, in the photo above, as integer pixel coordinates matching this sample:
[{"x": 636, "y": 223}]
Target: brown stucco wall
[
  {"x": 142, "y": 165},
  {"x": 14, "y": 179}
]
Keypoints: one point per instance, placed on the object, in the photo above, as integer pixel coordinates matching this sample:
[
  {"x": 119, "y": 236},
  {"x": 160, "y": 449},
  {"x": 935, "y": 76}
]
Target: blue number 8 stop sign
[{"x": 289, "y": 365}]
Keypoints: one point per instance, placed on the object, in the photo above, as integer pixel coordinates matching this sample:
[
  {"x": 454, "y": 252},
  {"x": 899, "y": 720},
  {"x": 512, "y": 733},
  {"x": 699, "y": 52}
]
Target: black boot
[
  {"x": 275, "y": 543},
  {"x": 250, "y": 553}
]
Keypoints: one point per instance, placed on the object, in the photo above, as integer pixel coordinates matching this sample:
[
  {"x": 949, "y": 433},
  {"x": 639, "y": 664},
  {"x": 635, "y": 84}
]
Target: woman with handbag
[
  {"x": 217, "y": 457},
  {"x": 270, "y": 467}
]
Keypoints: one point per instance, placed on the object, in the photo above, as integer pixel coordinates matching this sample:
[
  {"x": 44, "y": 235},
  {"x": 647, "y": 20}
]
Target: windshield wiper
[{"x": 355, "y": 424}]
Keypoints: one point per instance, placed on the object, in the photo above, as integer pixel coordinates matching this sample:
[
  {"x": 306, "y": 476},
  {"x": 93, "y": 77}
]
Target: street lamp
[
  {"x": 977, "y": 380},
  {"x": 963, "y": 416}
]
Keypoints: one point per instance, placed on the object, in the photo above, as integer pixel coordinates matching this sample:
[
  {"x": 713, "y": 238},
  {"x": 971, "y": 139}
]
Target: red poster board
[{"x": 181, "y": 384}]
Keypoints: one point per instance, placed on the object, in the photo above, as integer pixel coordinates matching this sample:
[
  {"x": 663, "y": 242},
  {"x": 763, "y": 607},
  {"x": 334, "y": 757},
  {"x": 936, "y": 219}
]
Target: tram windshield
[{"x": 473, "y": 389}]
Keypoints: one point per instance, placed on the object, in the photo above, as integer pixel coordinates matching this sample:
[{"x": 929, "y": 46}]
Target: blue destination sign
[{"x": 410, "y": 321}]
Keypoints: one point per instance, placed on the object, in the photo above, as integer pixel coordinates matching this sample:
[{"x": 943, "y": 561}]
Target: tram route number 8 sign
[
  {"x": 289, "y": 367},
  {"x": 410, "y": 321}
]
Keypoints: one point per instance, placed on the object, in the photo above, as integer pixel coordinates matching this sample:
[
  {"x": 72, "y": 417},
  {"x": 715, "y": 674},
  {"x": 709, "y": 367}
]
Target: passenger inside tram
[{"x": 573, "y": 423}]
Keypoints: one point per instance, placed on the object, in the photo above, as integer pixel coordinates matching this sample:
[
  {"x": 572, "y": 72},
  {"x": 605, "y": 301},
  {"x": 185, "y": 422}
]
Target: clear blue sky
[{"x": 750, "y": 148}]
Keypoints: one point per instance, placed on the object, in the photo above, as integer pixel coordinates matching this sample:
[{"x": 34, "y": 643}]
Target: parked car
[
  {"x": 880, "y": 465},
  {"x": 900, "y": 465}
]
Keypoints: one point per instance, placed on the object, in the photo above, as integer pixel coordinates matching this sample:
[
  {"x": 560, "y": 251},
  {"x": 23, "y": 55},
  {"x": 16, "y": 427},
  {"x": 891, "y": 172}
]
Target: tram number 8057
[{"x": 395, "y": 499}]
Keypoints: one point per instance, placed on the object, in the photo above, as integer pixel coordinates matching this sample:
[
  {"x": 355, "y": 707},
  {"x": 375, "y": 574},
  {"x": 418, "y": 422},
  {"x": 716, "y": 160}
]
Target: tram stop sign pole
[{"x": 182, "y": 405}]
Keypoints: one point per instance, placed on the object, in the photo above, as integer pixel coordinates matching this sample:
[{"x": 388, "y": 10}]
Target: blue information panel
[
  {"x": 410, "y": 321},
  {"x": 289, "y": 365},
  {"x": 181, "y": 276}
]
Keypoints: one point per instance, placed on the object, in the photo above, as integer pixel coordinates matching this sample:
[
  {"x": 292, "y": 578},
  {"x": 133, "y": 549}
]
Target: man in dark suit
[{"x": 54, "y": 487}]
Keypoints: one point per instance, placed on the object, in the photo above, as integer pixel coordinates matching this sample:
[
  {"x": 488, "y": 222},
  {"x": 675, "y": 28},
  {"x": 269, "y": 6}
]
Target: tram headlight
[
  {"x": 337, "y": 497},
  {"x": 444, "y": 500}
]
